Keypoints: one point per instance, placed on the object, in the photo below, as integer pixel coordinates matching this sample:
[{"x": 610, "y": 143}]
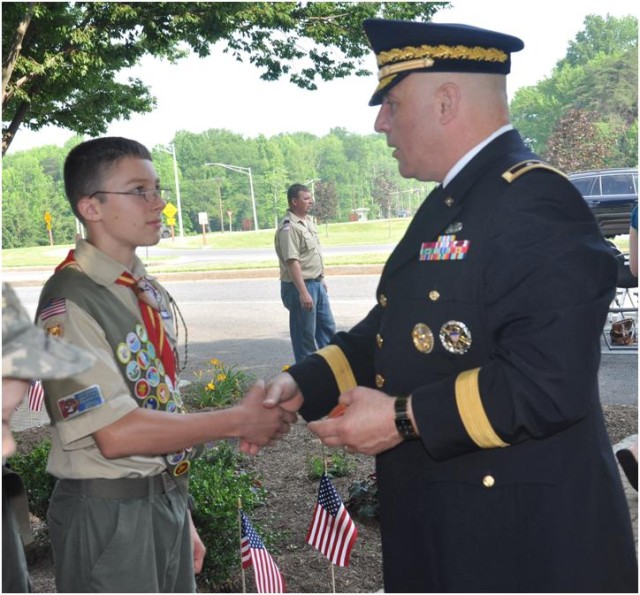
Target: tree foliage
[
  {"x": 599, "y": 75},
  {"x": 61, "y": 60}
]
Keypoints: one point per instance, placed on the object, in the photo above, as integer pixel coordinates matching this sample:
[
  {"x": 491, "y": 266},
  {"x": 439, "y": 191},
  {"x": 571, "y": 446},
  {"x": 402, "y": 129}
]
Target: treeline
[
  {"x": 583, "y": 116},
  {"x": 345, "y": 171}
]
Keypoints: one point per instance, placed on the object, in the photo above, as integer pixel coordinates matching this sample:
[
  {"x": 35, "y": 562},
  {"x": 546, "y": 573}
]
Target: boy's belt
[{"x": 116, "y": 489}]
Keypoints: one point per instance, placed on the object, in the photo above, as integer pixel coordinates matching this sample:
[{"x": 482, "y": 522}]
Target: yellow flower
[
  {"x": 221, "y": 377},
  {"x": 214, "y": 362},
  {"x": 285, "y": 367},
  {"x": 211, "y": 386}
]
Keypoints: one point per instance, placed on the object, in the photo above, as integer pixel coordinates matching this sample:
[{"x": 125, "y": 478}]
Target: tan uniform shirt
[
  {"x": 74, "y": 453},
  {"x": 297, "y": 239}
]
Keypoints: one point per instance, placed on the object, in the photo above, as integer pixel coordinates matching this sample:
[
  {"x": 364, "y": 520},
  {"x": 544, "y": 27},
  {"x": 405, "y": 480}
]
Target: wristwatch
[{"x": 403, "y": 423}]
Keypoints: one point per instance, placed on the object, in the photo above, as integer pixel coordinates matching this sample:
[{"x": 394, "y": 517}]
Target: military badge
[
  {"x": 55, "y": 330},
  {"x": 455, "y": 337},
  {"x": 446, "y": 247},
  {"x": 422, "y": 338},
  {"x": 454, "y": 227}
]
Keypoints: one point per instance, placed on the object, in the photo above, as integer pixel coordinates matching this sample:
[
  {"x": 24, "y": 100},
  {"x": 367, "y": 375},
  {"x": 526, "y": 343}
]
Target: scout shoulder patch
[
  {"x": 81, "y": 402},
  {"x": 55, "y": 307},
  {"x": 519, "y": 169}
]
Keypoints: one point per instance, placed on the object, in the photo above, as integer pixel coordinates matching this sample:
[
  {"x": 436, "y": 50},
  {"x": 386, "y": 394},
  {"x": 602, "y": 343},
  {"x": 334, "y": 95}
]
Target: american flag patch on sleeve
[{"x": 55, "y": 307}]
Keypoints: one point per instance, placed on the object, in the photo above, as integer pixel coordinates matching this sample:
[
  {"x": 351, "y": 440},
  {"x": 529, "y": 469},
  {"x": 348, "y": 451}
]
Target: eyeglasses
[{"x": 146, "y": 195}]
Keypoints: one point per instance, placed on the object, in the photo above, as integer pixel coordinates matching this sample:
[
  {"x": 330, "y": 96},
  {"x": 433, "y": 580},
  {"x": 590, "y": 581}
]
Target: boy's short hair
[
  {"x": 87, "y": 165},
  {"x": 294, "y": 190}
]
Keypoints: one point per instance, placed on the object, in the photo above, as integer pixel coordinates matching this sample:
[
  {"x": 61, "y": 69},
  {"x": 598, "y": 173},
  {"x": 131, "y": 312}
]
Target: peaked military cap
[
  {"x": 403, "y": 47},
  {"x": 29, "y": 352}
]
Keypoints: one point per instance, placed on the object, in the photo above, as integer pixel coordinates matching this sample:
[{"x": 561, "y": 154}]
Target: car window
[
  {"x": 586, "y": 186},
  {"x": 617, "y": 184}
]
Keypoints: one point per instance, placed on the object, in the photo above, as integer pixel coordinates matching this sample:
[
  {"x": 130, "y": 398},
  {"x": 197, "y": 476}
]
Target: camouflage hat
[{"x": 29, "y": 352}]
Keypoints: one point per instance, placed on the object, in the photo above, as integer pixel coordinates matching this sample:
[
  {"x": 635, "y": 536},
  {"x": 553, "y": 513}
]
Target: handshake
[{"x": 363, "y": 420}]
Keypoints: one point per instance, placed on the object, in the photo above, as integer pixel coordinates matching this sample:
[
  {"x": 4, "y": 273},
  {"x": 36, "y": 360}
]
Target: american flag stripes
[
  {"x": 55, "y": 307},
  {"x": 332, "y": 531},
  {"x": 35, "y": 395},
  {"x": 267, "y": 574}
]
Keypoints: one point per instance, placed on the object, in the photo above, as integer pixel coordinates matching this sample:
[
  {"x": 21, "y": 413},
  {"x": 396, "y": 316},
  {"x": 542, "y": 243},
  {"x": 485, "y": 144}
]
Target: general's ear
[
  {"x": 448, "y": 101},
  {"x": 89, "y": 208}
]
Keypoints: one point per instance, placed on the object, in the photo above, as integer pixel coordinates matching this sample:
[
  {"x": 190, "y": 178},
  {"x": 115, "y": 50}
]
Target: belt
[
  {"x": 117, "y": 489},
  {"x": 320, "y": 278}
]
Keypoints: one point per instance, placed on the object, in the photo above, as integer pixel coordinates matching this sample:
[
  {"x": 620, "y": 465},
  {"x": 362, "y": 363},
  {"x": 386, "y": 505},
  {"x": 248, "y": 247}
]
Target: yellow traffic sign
[
  {"x": 47, "y": 218},
  {"x": 169, "y": 210},
  {"x": 171, "y": 221}
]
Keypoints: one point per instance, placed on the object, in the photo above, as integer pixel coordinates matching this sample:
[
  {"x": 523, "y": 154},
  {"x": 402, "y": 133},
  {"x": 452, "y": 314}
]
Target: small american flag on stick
[
  {"x": 332, "y": 531},
  {"x": 267, "y": 574},
  {"x": 35, "y": 395}
]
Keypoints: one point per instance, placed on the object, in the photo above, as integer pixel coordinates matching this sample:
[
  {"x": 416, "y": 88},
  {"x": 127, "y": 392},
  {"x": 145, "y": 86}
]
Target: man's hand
[
  {"x": 199, "y": 550},
  {"x": 367, "y": 425},
  {"x": 262, "y": 425},
  {"x": 282, "y": 393},
  {"x": 306, "y": 301}
]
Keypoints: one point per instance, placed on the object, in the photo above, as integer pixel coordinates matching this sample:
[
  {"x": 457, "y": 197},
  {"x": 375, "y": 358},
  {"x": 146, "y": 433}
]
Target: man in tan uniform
[
  {"x": 302, "y": 285},
  {"x": 118, "y": 517}
]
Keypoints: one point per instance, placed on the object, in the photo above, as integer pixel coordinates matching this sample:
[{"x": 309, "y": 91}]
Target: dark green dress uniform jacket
[{"x": 512, "y": 485}]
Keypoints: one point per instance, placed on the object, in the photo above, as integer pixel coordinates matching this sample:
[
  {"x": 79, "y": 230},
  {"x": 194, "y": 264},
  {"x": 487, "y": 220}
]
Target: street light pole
[
  {"x": 247, "y": 172},
  {"x": 171, "y": 149}
]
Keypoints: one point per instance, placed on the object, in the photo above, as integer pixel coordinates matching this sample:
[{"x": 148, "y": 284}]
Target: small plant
[
  {"x": 217, "y": 481},
  {"x": 219, "y": 386},
  {"x": 32, "y": 468},
  {"x": 363, "y": 498},
  {"x": 338, "y": 465}
]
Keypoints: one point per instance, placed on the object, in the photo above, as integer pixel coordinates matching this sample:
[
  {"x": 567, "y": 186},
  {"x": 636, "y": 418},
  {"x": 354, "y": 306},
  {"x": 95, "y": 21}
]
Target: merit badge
[
  {"x": 176, "y": 457},
  {"x": 143, "y": 359},
  {"x": 150, "y": 403},
  {"x": 455, "y": 337},
  {"x": 123, "y": 353},
  {"x": 171, "y": 407},
  {"x": 142, "y": 389},
  {"x": 80, "y": 402},
  {"x": 142, "y": 332},
  {"x": 454, "y": 227},
  {"x": 153, "y": 377},
  {"x": 182, "y": 468},
  {"x": 163, "y": 393},
  {"x": 446, "y": 247},
  {"x": 133, "y": 371},
  {"x": 151, "y": 350},
  {"x": 133, "y": 341},
  {"x": 422, "y": 338}
]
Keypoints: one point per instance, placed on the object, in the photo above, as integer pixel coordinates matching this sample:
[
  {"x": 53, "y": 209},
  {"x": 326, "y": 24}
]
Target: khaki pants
[{"x": 121, "y": 545}]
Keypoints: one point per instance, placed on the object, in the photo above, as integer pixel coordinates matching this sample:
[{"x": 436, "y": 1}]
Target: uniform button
[
  {"x": 434, "y": 295},
  {"x": 382, "y": 300},
  {"x": 379, "y": 340},
  {"x": 488, "y": 481},
  {"x": 449, "y": 201},
  {"x": 379, "y": 380}
]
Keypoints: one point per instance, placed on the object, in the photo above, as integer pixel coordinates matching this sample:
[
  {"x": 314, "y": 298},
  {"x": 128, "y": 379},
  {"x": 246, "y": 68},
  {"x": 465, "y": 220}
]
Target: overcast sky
[{"x": 218, "y": 92}]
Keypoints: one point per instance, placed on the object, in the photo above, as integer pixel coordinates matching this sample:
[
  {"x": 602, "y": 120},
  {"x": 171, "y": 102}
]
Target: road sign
[
  {"x": 171, "y": 221},
  {"x": 169, "y": 210},
  {"x": 47, "y": 220}
]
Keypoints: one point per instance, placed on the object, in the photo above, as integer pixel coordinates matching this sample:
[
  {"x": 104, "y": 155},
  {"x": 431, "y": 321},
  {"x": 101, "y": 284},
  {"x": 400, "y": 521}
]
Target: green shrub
[
  {"x": 217, "y": 482},
  {"x": 363, "y": 498},
  {"x": 37, "y": 482}
]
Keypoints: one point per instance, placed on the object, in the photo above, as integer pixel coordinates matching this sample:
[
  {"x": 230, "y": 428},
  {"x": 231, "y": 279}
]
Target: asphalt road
[{"x": 242, "y": 323}]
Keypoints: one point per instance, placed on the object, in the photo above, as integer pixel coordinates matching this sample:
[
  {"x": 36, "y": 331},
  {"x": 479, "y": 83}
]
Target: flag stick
[
  {"x": 244, "y": 582},
  {"x": 333, "y": 574}
]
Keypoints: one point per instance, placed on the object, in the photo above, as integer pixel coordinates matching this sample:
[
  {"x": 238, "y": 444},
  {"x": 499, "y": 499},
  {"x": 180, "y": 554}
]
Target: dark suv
[{"x": 611, "y": 194}]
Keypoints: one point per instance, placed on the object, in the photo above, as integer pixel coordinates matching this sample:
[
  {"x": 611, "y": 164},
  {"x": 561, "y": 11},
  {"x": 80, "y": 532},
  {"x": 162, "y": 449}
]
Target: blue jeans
[{"x": 310, "y": 329}]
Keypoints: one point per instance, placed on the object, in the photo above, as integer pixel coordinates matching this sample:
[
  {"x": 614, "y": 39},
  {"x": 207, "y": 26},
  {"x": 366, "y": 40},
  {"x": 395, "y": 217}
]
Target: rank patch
[
  {"x": 446, "y": 247},
  {"x": 80, "y": 402}
]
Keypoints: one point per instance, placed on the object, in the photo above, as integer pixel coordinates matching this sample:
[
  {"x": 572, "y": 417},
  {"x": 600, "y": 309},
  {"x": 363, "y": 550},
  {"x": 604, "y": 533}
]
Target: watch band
[{"x": 403, "y": 423}]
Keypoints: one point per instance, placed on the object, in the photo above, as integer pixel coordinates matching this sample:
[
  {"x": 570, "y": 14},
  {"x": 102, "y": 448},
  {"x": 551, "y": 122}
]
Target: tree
[
  {"x": 577, "y": 144},
  {"x": 326, "y": 201},
  {"x": 61, "y": 58}
]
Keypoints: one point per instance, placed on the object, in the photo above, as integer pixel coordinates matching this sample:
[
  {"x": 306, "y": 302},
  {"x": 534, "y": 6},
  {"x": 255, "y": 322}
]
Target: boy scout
[
  {"x": 27, "y": 353},
  {"x": 118, "y": 518},
  {"x": 474, "y": 378}
]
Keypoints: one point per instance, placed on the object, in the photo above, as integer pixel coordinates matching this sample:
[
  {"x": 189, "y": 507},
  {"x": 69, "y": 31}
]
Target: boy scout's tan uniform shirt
[
  {"x": 297, "y": 239},
  {"x": 74, "y": 452}
]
